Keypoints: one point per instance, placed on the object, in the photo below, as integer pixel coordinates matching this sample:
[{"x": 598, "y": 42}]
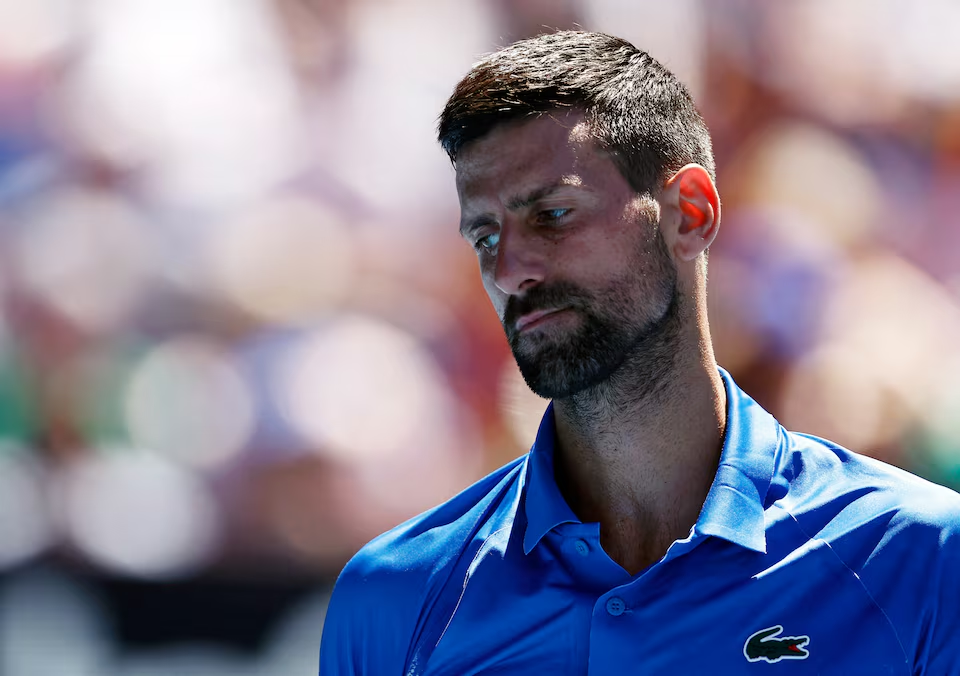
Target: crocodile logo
[{"x": 766, "y": 645}]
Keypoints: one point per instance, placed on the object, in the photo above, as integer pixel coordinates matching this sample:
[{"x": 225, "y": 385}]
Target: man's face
[{"x": 570, "y": 256}]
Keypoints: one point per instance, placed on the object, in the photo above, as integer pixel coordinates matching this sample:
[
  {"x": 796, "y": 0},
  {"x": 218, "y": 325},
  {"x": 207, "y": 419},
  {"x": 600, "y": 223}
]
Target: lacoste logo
[{"x": 765, "y": 645}]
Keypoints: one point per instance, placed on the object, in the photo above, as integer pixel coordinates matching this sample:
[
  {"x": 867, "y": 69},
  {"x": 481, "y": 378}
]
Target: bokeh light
[
  {"x": 133, "y": 100},
  {"x": 188, "y": 401},
  {"x": 33, "y": 31},
  {"x": 820, "y": 177},
  {"x": 362, "y": 390},
  {"x": 862, "y": 61},
  {"x": 88, "y": 254},
  {"x": 940, "y": 431},
  {"x": 25, "y": 521},
  {"x": 289, "y": 261},
  {"x": 836, "y": 393},
  {"x": 400, "y": 122},
  {"x": 900, "y": 320},
  {"x": 138, "y": 515},
  {"x": 371, "y": 397}
]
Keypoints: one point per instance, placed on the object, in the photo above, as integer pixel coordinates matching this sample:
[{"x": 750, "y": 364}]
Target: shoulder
[
  {"x": 422, "y": 543},
  {"x": 897, "y": 532},
  {"x": 381, "y": 594},
  {"x": 848, "y": 491}
]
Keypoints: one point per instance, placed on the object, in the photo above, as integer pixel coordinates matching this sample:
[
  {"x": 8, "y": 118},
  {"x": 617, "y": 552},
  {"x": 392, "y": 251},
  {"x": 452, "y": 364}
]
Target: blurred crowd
[{"x": 240, "y": 335}]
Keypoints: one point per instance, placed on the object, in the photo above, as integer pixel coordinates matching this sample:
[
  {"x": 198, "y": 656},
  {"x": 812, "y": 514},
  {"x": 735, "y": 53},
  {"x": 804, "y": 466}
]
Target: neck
[{"x": 640, "y": 459}]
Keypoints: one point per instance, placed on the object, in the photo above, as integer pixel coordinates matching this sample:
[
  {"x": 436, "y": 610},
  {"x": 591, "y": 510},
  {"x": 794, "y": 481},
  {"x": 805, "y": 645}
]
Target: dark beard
[{"x": 608, "y": 344}]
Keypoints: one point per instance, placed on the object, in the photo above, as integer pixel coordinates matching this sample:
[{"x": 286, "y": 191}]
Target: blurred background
[{"x": 240, "y": 336}]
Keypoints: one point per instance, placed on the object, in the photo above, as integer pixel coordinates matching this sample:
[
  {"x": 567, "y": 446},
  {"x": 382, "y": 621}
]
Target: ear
[{"x": 693, "y": 194}]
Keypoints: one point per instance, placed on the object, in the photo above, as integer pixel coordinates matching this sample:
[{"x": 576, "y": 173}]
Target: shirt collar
[
  {"x": 734, "y": 506},
  {"x": 733, "y": 509},
  {"x": 544, "y": 506}
]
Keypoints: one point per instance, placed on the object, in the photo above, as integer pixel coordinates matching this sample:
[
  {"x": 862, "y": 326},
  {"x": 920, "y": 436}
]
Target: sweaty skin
[{"x": 562, "y": 240}]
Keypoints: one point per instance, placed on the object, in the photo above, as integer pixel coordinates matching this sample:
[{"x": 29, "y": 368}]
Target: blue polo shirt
[{"x": 805, "y": 559}]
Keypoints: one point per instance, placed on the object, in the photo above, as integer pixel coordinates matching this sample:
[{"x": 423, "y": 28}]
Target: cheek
[{"x": 497, "y": 297}]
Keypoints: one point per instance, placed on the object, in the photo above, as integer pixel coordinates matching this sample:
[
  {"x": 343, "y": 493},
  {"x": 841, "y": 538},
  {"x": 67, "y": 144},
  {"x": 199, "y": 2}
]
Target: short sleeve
[
  {"x": 912, "y": 571},
  {"x": 368, "y": 624},
  {"x": 384, "y": 597},
  {"x": 939, "y": 653}
]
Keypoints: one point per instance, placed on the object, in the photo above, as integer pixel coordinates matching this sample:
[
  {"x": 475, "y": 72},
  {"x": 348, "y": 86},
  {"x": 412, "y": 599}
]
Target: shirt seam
[
  {"x": 466, "y": 580},
  {"x": 856, "y": 576}
]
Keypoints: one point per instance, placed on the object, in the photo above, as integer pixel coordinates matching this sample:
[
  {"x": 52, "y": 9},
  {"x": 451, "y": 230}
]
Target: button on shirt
[{"x": 806, "y": 558}]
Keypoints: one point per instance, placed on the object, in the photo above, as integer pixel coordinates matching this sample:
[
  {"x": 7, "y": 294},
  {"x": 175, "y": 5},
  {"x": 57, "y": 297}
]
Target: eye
[
  {"x": 552, "y": 216},
  {"x": 487, "y": 242}
]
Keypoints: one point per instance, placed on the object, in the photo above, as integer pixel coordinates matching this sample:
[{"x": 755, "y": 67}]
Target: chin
[{"x": 553, "y": 377}]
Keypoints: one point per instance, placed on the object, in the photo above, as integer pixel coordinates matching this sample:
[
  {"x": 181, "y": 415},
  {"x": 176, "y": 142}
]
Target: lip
[{"x": 529, "y": 321}]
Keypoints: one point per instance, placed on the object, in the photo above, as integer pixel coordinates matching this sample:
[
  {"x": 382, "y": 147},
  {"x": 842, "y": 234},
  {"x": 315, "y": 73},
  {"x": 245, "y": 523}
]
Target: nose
[{"x": 519, "y": 263}]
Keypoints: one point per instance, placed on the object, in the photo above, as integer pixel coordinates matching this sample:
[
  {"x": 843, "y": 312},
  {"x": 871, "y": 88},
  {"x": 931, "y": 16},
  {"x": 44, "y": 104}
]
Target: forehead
[{"x": 522, "y": 154}]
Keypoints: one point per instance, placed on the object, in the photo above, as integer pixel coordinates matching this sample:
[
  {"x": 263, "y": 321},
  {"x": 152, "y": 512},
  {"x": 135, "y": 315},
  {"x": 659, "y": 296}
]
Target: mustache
[{"x": 558, "y": 294}]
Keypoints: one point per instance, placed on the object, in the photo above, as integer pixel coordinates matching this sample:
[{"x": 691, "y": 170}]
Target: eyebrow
[{"x": 516, "y": 203}]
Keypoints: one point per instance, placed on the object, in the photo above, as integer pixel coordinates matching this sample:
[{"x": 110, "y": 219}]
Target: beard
[{"x": 627, "y": 331}]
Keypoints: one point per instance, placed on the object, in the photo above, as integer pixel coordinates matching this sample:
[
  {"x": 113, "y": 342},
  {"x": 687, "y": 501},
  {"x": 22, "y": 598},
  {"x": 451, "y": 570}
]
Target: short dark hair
[{"x": 637, "y": 109}]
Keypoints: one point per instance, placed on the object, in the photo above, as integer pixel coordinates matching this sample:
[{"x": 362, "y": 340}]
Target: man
[{"x": 662, "y": 523}]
